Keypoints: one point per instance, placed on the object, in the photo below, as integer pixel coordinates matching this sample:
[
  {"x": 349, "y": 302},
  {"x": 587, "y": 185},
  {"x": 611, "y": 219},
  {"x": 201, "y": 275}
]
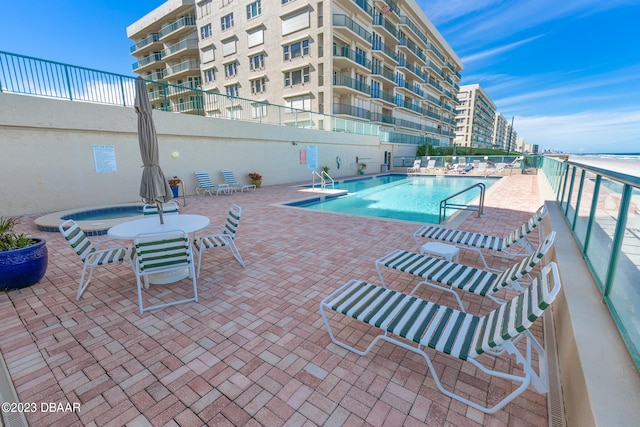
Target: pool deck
[{"x": 254, "y": 349}]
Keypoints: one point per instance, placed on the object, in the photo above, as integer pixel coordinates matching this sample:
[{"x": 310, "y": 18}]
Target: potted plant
[
  {"x": 23, "y": 259},
  {"x": 174, "y": 183},
  {"x": 363, "y": 167},
  {"x": 325, "y": 169},
  {"x": 256, "y": 179}
]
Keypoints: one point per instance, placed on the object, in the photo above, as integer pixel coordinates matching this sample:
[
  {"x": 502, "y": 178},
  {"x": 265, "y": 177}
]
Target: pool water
[
  {"x": 105, "y": 213},
  {"x": 409, "y": 198}
]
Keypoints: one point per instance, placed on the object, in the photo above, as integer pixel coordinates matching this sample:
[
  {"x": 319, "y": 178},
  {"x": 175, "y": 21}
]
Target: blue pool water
[
  {"x": 105, "y": 213},
  {"x": 409, "y": 198}
]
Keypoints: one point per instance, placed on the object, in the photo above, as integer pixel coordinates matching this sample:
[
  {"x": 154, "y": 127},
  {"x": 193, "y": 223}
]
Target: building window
[
  {"x": 258, "y": 86},
  {"x": 256, "y": 62},
  {"x": 209, "y": 75},
  {"x": 204, "y": 8},
  {"x": 254, "y": 9},
  {"x": 296, "y": 77},
  {"x": 226, "y": 21},
  {"x": 286, "y": 1},
  {"x": 258, "y": 110},
  {"x": 231, "y": 69},
  {"x": 296, "y": 50},
  {"x": 205, "y": 32},
  {"x": 299, "y": 102},
  {"x": 233, "y": 90}
]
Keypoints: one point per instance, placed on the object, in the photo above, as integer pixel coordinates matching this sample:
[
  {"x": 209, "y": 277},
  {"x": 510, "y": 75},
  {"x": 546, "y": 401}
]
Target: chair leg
[
  {"x": 235, "y": 252},
  {"x": 83, "y": 285}
]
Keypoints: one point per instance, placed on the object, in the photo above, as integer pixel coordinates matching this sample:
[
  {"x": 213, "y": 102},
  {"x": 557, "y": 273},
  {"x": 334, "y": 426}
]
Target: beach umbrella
[{"x": 154, "y": 188}]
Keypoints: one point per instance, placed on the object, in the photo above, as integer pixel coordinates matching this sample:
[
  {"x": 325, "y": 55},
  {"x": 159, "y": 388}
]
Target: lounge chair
[
  {"x": 207, "y": 186},
  {"x": 169, "y": 208},
  {"x": 225, "y": 237},
  {"x": 232, "y": 182},
  {"x": 407, "y": 320},
  {"x": 91, "y": 255},
  {"x": 162, "y": 253},
  {"x": 416, "y": 166},
  {"x": 448, "y": 276},
  {"x": 476, "y": 241}
]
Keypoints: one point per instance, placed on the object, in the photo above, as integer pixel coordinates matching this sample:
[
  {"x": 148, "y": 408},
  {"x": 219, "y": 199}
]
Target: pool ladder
[
  {"x": 444, "y": 203},
  {"x": 324, "y": 177}
]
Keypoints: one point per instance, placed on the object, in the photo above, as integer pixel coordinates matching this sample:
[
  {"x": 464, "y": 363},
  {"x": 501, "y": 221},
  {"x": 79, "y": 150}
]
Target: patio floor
[{"x": 254, "y": 349}]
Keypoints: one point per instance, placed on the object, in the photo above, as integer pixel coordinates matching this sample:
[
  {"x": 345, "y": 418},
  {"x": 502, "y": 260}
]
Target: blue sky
[{"x": 568, "y": 72}]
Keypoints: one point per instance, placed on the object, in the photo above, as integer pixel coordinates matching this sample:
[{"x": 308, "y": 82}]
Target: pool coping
[{"x": 51, "y": 222}]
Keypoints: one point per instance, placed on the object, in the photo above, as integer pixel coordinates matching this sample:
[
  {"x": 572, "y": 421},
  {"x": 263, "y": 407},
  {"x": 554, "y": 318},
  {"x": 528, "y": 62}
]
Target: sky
[{"x": 566, "y": 72}]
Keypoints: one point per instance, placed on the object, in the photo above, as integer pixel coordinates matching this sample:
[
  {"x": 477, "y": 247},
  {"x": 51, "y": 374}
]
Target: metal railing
[
  {"x": 32, "y": 76},
  {"x": 323, "y": 179},
  {"x": 444, "y": 203},
  {"x": 602, "y": 209}
]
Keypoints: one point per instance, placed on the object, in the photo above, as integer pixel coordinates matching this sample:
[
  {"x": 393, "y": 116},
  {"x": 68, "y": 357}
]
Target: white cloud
[
  {"x": 497, "y": 50},
  {"x": 590, "y": 131}
]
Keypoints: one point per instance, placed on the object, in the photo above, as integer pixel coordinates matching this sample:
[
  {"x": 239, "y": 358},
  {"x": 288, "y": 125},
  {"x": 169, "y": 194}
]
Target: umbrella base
[{"x": 168, "y": 277}]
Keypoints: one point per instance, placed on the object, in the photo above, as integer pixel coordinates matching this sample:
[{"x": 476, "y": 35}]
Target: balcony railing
[
  {"x": 350, "y": 82},
  {"x": 32, "y": 76},
  {"x": 177, "y": 47},
  {"x": 602, "y": 209},
  {"x": 185, "y": 21},
  {"x": 153, "y": 38},
  {"x": 345, "y": 21},
  {"x": 380, "y": 21},
  {"x": 356, "y": 57}
]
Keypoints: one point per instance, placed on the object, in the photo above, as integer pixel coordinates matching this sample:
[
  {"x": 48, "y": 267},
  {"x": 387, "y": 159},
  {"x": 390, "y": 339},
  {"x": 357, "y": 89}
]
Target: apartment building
[
  {"x": 166, "y": 49},
  {"x": 501, "y": 130},
  {"x": 382, "y": 62},
  {"x": 475, "y": 119}
]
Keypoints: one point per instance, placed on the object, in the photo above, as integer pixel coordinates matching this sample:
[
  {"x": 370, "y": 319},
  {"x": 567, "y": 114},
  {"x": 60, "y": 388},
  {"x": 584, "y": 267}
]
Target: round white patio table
[{"x": 130, "y": 229}]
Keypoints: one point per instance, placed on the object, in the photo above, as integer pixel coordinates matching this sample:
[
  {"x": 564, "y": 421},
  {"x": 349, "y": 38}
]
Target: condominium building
[
  {"x": 475, "y": 119},
  {"x": 382, "y": 62},
  {"x": 166, "y": 48},
  {"x": 501, "y": 130}
]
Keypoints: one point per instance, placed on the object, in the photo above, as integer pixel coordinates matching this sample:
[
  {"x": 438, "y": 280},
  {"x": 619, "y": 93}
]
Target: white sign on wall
[
  {"x": 312, "y": 157},
  {"x": 104, "y": 157}
]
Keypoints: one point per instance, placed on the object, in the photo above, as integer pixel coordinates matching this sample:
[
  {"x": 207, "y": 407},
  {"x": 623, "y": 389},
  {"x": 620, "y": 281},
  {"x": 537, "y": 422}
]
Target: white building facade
[
  {"x": 475, "y": 119},
  {"x": 381, "y": 62}
]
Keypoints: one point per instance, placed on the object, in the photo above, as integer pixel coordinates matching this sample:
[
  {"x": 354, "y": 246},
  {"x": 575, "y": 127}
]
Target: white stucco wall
[{"x": 47, "y": 159}]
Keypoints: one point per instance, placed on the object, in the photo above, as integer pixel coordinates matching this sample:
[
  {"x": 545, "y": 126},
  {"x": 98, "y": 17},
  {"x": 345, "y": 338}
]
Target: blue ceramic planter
[{"x": 24, "y": 267}]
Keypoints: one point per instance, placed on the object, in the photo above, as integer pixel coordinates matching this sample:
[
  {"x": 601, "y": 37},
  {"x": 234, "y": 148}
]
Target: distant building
[
  {"x": 475, "y": 118},
  {"x": 381, "y": 62}
]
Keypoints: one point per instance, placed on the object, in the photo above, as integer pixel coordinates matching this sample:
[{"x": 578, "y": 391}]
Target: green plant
[
  {"x": 9, "y": 239},
  {"x": 363, "y": 166},
  {"x": 325, "y": 169}
]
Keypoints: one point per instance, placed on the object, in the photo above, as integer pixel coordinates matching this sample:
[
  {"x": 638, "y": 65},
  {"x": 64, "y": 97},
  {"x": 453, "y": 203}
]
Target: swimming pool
[{"x": 409, "y": 198}]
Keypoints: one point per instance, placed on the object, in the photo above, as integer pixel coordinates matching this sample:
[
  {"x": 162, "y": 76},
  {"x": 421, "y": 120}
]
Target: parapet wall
[{"x": 47, "y": 162}]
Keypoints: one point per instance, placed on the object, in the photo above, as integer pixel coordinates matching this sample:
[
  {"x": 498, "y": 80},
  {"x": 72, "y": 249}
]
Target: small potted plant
[
  {"x": 363, "y": 167},
  {"x": 325, "y": 169},
  {"x": 256, "y": 179},
  {"x": 23, "y": 259},
  {"x": 174, "y": 183}
]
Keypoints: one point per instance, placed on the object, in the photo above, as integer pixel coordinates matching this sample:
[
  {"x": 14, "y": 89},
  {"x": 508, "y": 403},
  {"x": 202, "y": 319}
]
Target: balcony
[
  {"x": 184, "y": 68},
  {"x": 384, "y": 72},
  {"x": 179, "y": 27},
  {"x": 378, "y": 46},
  {"x": 185, "y": 47},
  {"x": 350, "y": 110},
  {"x": 345, "y": 81},
  {"x": 383, "y": 118},
  {"x": 153, "y": 60},
  {"x": 382, "y": 24},
  {"x": 345, "y": 56},
  {"x": 383, "y": 96},
  {"x": 411, "y": 49},
  {"x": 146, "y": 43},
  {"x": 342, "y": 23}
]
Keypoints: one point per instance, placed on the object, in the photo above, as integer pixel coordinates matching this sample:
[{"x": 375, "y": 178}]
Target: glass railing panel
[
  {"x": 581, "y": 221},
  {"x": 603, "y": 228},
  {"x": 625, "y": 290}
]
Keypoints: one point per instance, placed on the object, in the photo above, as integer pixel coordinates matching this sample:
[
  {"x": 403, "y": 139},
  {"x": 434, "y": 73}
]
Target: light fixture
[{"x": 175, "y": 154}]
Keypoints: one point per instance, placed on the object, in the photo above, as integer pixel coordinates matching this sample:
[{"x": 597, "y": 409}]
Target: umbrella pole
[{"x": 160, "y": 213}]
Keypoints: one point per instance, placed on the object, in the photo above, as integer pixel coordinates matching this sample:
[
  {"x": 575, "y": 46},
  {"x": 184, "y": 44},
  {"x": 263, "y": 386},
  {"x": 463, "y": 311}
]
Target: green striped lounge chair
[
  {"x": 90, "y": 254},
  {"x": 232, "y": 182},
  {"x": 477, "y": 241},
  {"x": 449, "y": 276},
  {"x": 225, "y": 236},
  {"x": 415, "y": 324},
  {"x": 205, "y": 185},
  {"x": 169, "y": 208},
  {"x": 159, "y": 253}
]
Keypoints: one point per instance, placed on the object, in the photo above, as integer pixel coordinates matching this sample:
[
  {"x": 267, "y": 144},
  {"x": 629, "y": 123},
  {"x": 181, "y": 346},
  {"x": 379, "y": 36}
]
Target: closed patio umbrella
[{"x": 154, "y": 188}]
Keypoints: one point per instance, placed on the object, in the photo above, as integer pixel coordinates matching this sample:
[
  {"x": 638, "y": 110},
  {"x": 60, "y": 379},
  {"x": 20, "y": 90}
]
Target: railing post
[
  {"x": 618, "y": 236},
  {"x": 124, "y": 98},
  {"x": 66, "y": 75}
]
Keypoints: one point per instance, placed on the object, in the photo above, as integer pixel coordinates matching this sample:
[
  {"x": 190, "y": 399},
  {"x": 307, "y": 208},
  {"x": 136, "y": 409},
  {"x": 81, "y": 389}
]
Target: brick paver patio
[{"x": 254, "y": 349}]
